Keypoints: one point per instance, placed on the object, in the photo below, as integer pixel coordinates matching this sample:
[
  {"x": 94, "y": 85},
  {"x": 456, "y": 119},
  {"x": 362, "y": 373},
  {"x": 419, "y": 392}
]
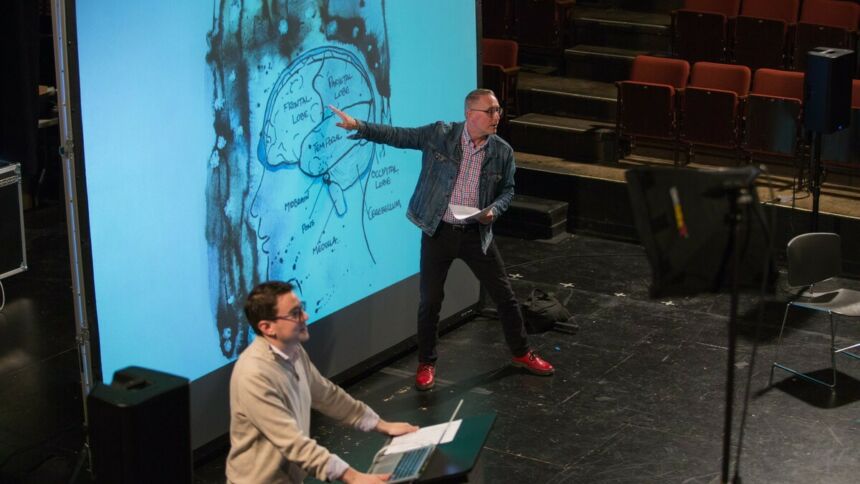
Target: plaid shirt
[{"x": 466, "y": 187}]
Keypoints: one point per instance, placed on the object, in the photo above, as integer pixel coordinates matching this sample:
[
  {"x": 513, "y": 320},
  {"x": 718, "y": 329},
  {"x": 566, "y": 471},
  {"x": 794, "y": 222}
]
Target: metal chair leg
[
  {"x": 832, "y": 350},
  {"x": 778, "y": 344},
  {"x": 776, "y": 363}
]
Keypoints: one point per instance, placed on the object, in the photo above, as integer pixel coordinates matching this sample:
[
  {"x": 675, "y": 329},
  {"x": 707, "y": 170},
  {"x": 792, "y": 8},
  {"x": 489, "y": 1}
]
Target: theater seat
[
  {"x": 763, "y": 32},
  {"x": 773, "y": 114},
  {"x": 500, "y": 70},
  {"x": 712, "y": 106},
  {"x": 702, "y": 29},
  {"x": 647, "y": 101},
  {"x": 825, "y": 23}
]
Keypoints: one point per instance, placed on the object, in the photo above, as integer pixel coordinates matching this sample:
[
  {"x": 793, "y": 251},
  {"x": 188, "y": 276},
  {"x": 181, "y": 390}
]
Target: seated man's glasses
[{"x": 294, "y": 315}]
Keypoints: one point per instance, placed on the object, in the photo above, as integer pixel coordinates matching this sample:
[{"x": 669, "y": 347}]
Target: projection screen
[{"x": 207, "y": 162}]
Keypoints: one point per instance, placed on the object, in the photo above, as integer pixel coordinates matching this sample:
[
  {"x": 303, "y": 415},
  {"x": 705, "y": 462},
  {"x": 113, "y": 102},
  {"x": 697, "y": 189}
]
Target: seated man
[{"x": 272, "y": 390}]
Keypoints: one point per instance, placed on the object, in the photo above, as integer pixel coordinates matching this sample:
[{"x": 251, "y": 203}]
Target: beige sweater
[{"x": 270, "y": 414}]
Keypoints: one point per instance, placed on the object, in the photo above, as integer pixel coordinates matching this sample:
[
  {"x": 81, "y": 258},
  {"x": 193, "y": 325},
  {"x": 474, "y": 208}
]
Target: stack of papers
[
  {"x": 462, "y": 212},
  {"x": 423, "y": 437}
]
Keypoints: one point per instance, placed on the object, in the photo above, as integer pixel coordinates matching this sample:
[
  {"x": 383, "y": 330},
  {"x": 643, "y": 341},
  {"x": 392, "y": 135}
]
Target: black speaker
[
  {"x": 140, "y": 428},
  {"x": 827, "y": 89}
]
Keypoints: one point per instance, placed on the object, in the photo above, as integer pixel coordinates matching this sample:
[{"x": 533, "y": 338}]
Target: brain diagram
[
  {"x": 309, "y": 203},
  {"x": 289, "y": 195},
  {"x": 299, "y": 130}
]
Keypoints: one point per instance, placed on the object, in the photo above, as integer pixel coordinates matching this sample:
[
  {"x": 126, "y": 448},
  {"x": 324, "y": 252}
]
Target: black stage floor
[{"x": 637, "y": 396}]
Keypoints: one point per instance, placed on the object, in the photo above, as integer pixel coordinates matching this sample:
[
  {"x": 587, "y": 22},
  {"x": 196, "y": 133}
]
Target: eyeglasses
[
  {"x": 295, "y": 314},
  {"x": 490, "y": 111}
]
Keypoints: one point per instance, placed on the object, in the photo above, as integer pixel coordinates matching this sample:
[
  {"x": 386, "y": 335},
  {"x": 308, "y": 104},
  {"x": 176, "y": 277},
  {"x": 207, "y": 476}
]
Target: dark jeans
[{"x": 437, "y": 254}]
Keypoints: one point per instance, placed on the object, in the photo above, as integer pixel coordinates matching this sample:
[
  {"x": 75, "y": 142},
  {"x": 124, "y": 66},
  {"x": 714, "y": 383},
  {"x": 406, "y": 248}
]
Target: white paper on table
[
  {"x": 462, "y": 212},
  {"x": 423, "y": 437}
]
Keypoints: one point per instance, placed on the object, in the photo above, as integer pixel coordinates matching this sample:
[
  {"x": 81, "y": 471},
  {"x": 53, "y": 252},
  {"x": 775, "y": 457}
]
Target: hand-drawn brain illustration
[
  {"x": 298, "y": 128},
  {"x": 282, "y": 178}
]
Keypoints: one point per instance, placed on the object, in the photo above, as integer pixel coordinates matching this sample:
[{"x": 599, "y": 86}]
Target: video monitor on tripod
[{"x": 683, "y": 218}]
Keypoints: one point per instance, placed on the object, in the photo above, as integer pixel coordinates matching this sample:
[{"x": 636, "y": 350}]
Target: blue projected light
[{"x": 212, "y": 162}]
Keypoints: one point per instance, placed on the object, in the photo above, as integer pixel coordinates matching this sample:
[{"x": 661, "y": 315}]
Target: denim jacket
[{"x": 440, "y": 163}]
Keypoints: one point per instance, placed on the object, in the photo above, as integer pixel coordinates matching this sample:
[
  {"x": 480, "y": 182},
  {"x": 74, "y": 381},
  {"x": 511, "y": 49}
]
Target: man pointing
[{"x": 463, "y": 163}]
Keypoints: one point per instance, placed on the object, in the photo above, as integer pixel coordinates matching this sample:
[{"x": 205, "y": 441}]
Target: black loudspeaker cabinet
[
  {"x": 13, "y": 251},
  {"x": 827, "y": 89},
  {"x": 140, "y": 428}
]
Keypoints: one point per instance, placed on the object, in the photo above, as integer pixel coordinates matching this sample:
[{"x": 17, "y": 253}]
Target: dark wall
[{"x": 19, "y": 87}]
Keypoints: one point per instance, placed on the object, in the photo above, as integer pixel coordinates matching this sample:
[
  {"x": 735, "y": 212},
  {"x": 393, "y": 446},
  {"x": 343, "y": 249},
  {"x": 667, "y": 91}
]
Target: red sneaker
[
  {"x": 425, "y": 377},
  {"x": 534, "y": 364}
]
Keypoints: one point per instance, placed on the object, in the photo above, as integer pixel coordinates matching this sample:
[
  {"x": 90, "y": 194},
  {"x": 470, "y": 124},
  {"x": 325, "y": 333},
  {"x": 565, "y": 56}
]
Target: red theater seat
[
  {"x": 825, "y": 23},
  {"x": 647, "y": 101},
  {"x": 500, "y": 70},
  {"x": 763, "y": 32},
  {"x": 712, "y": 105},
  {"x": 702, "y": 29},
  {"x": 773, "y": 114},
  {"x": 778, "y": 83}
]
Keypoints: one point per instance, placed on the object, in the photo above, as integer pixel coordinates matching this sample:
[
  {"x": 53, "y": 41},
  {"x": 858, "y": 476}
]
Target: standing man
[
  {"x": 463, "y": 163},
  {"x": 273, "y": 387}
]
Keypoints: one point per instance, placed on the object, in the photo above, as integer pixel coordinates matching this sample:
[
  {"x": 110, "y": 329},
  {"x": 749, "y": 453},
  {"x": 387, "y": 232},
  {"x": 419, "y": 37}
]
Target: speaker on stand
[{"x": 826, "y": 106}]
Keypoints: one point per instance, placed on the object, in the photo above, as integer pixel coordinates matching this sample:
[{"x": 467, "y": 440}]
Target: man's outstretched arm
[{"x": 409, "y": 138}]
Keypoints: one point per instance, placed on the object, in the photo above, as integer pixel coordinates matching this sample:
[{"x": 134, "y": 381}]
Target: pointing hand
[{"x": 346, "y": 121}]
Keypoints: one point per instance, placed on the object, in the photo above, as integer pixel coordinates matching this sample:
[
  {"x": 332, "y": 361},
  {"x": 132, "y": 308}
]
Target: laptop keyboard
[{"x": 410, "y": 463}]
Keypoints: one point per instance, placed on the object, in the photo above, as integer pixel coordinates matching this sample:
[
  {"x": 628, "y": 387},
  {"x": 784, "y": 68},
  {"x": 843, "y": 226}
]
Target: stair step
[
  {"x": 623, "y": 29},
  {"x": 598, "y": 63},
  {"x": 533, "y": 218},
  {"x": 564, "y": 96},
  {"x": 575, "y": 139},
  {"x": 555, "y": 165}
]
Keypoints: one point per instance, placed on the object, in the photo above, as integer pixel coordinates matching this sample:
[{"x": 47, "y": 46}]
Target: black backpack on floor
[{"x": 543, "y": 312}]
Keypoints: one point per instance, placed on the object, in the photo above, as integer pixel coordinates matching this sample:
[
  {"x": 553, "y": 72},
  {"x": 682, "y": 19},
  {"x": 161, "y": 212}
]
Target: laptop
[{"x": 407, "y": 466}]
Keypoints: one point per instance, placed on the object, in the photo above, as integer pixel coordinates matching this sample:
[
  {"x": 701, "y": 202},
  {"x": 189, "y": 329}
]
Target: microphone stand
[
  {"x": 815, "y": 178},
  {"x": 737, "y": 197}
]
